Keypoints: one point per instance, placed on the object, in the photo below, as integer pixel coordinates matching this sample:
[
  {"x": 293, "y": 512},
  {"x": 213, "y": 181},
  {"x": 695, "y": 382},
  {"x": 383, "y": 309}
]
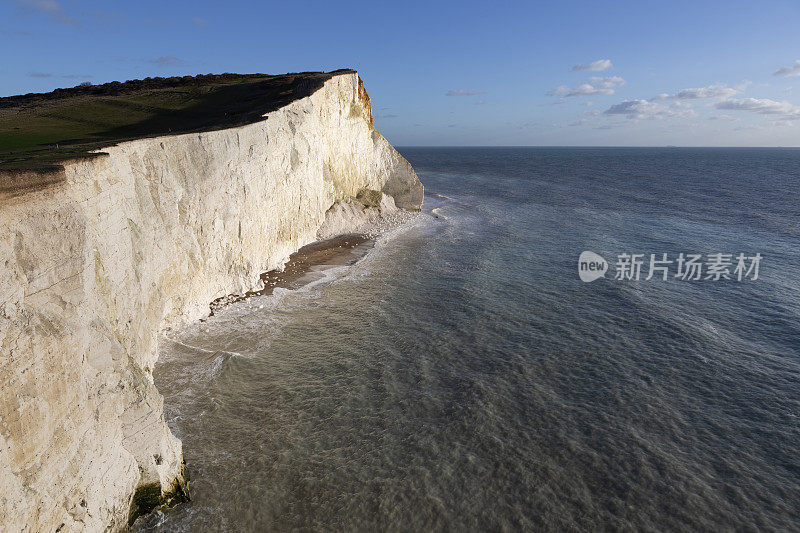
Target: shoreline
[
  {"x": 302, "y": 268},
  {"x": 343, "y": 250},
  {"x": 358, "y": 228}
]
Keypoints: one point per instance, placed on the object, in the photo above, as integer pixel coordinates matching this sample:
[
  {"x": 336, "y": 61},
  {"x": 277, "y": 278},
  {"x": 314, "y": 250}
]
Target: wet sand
[{"x": 305, "y": 265}]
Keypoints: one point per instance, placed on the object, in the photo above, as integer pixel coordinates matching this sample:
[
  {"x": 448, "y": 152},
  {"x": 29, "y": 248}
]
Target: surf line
[{"x": 235, "y": 354}]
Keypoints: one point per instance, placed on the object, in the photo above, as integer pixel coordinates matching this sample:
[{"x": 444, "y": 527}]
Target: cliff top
[{"x": 37, "y": 131}]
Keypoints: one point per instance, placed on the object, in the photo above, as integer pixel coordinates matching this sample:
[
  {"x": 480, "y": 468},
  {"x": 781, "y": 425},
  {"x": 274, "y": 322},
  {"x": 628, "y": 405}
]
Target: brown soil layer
[{"x": 338, "y": 251}]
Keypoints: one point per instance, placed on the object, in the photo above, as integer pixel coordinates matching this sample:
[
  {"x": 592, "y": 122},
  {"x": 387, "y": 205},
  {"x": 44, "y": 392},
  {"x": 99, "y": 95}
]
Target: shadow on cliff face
[{"x": 37, "y": 131}]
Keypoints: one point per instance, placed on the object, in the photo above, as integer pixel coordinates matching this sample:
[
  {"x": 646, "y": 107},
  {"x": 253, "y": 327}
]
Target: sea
[{"x": 459, "y": 375}]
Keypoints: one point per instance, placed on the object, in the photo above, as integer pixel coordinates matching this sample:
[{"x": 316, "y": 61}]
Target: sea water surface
[{"x": 461, "y": 377}]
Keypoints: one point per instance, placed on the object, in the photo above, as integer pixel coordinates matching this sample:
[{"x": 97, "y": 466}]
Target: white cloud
[
  {"x": 636, "y": 109},
  {"x": 200, "y": 23},
  {"x": 463, "y": 92},
  {"x": 609, "y": 126},
  {"x": 794, "y": 70},
  {"x": 763, "y": 106},
  {"x": 641, "y": 109},
  {"x": 711, "y": 91},
  {"x": 594, "y": 85},
  {"x": 600, "y": 64},
  {"x": 167, "y": 61},
  {"x": 51, "y": 8},
  {"x": 724, "y": 117},
  {"x": 673, "y": 105}
]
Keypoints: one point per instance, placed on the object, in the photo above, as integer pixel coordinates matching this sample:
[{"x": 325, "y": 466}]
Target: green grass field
[{"x": 37, "y": 131}]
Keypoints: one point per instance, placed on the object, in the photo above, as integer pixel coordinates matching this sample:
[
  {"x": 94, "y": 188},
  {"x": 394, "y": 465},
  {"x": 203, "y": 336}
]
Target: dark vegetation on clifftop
[{"x": 38, "y": 131}]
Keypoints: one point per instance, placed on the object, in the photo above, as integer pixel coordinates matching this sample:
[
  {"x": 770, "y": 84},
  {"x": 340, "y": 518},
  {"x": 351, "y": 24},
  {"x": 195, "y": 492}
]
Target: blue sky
[{"x": 456, "y": 73}]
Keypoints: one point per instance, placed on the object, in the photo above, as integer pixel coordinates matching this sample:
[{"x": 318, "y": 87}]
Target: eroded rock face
[
  {"x": 369, "y": 197},
  {"x": 94, "y": 267}
]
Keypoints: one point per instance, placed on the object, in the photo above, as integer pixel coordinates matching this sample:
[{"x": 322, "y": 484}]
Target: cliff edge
[{"x": 100, "y": 251}]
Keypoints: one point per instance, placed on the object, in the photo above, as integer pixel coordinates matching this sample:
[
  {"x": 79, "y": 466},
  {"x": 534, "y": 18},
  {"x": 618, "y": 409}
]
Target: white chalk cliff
[{"x": 93, "y": 268}]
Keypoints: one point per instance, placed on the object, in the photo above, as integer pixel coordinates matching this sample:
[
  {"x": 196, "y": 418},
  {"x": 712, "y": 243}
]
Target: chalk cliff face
[{"x": 94, "y": 267}]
